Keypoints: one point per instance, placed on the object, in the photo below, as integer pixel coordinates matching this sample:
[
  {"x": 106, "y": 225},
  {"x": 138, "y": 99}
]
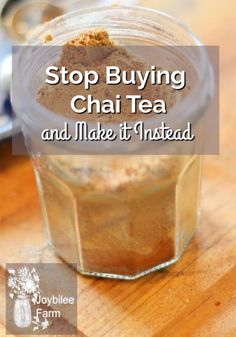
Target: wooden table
[{"x": 195, "y": 297}]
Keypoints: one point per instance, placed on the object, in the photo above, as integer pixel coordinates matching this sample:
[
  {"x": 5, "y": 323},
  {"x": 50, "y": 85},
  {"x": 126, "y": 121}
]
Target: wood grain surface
[{"x": 195, "y": 297}]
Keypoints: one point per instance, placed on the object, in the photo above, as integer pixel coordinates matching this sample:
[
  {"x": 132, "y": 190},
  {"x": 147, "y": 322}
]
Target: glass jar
[
  {"x": 22, "y": 311},
  {"x": 120, "y": 216}
]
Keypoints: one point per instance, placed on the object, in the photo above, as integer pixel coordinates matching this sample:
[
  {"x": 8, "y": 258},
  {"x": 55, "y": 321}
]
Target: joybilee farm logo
[{"x": 32, "y": 310}]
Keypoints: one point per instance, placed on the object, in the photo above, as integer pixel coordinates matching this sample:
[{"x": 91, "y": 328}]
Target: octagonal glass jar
[{"x": 120, "y": 216}]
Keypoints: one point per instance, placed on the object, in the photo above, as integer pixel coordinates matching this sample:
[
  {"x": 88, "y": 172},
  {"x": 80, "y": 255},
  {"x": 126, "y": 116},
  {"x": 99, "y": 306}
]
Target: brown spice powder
[
  {"x": 74, "y": 57},
  {"x": 48, "y": 38}
]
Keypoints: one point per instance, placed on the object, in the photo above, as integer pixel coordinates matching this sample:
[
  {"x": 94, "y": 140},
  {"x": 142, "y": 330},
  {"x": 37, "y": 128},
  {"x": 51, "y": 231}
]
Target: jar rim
[{"x": 81, "y": 12}]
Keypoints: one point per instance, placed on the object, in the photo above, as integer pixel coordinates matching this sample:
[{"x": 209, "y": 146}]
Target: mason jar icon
[{"x": 22, "y": 311}]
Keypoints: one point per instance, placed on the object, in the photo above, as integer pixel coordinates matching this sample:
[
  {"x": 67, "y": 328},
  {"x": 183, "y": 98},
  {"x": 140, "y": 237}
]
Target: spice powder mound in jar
[
  {"x": 112, "y": 214},
  {"x": 99, "y": 52}
]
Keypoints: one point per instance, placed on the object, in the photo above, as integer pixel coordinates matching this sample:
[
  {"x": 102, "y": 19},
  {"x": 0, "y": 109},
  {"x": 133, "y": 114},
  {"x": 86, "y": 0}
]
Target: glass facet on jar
[{"x": 113, "y": 216}]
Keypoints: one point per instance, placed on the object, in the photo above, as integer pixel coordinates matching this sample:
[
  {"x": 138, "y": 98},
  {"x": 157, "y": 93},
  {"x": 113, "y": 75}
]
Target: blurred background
[{"x": 198, "y": 294}]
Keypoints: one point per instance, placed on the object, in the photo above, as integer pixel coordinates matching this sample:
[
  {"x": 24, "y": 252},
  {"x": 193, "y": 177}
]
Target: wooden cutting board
[{"x": 195, "y": 297}]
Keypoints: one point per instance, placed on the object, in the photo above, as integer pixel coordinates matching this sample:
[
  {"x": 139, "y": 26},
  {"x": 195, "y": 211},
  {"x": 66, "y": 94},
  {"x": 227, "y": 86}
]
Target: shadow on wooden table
[{"x": 7, "y": 158}]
